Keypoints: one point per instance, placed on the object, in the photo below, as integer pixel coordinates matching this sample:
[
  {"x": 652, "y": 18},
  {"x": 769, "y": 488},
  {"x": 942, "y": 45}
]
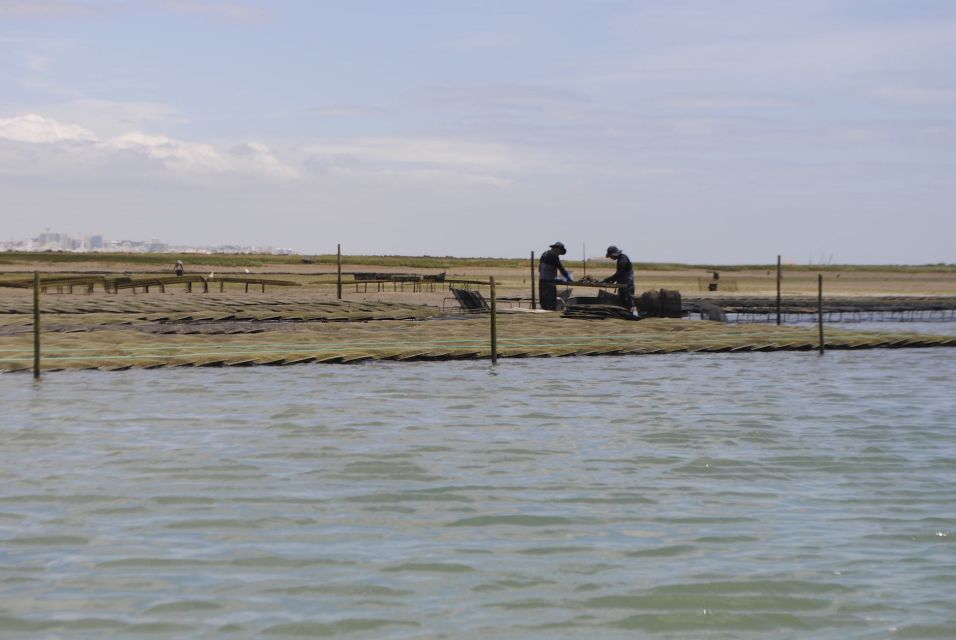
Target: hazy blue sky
[{"x": 692, "y": 131}]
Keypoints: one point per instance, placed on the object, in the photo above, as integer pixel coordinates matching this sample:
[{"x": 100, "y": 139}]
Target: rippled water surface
[{"x": 780, "y": 495}]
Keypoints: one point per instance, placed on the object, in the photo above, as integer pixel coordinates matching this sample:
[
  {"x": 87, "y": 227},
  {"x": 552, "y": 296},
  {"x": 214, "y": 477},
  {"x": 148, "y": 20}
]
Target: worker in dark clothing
[
  {"x": 548, "y": 268},
  {"x": 623, "y": 275},
  {"x": 178, "y": 269}
]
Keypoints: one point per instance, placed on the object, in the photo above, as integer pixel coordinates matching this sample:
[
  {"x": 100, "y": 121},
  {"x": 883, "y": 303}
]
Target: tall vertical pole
[
  {"x": 36, "y": 325},
  {"x": 494, "y": 324},
  {"x": 778, "y": 289},
  {"x": 338, "y": 281},
  {"x": 584, "y": 258},
  {"x": 533, "y": 303},
  {"x": 820, "y": 308}
]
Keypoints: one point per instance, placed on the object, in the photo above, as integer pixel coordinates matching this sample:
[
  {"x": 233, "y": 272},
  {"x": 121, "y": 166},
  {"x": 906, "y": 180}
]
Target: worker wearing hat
[
  {"x": 178, "y": 268},
  {"x": 549, "y": 266},
  {"x": 624, "y": 274}
]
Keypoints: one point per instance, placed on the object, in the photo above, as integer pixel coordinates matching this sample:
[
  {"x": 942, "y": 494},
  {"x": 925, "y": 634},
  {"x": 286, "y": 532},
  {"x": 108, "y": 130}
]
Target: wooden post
[
  {"x": 338, "y": 281},
  {"x": 494, "y": 324},
  {"x": 778, "y": 290},
  {"x": 222, "y": 285},
  {"x": 36, "y": 325},
  {"x": 820, "y": 308},
  {"x": 534, "y": 304}
]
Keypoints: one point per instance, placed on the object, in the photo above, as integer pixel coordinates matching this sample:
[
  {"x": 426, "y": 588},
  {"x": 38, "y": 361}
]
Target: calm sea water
[{"x": 780, "y": 495}]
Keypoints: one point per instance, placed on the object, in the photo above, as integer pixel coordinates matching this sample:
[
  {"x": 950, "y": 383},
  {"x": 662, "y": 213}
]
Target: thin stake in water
[
  {"x": 338, "y": 262},
  {"x": 778, "y": 289},
  {"x": 820, "y": 308},
  {"x": 36, "y": 325},
  {"x": 494, "y": 324}
]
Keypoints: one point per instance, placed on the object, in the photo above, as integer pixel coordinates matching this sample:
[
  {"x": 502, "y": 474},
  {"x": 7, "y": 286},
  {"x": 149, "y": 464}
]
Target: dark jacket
[
  {"x": 549, "y": 265},
  {"x": 624, "y": 273}
]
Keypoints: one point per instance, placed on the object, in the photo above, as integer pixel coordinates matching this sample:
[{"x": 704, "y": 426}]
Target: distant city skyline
[
  {"x": 695, "y": 132},
  {"x": 92, "y": 243}
]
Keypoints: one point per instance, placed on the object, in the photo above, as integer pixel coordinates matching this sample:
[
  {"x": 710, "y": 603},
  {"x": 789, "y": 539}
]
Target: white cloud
[
  {"x": 174, "y": 154},
  {"x": 36, "y": 129},
  {"x": 191, "y": 158},
  {"x": 395, "y": 159},
  {"x": 108, "y": 117},
  {"x": 425, "y": 151},
  {"x": 184, "y": 158},
  {"x": 257, "y": 158},
  {"x": 423, "y": 158}
]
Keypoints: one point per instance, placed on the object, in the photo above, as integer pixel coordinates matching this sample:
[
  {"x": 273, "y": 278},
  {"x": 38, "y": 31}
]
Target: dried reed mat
[{"x": 138, "y": 339}]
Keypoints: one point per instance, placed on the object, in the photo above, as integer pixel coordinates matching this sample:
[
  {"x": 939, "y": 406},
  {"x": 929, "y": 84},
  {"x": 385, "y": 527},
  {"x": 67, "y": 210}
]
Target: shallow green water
[{"x": 778, "y": 495}]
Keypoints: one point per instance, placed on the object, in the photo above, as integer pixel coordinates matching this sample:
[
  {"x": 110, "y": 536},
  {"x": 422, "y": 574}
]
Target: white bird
[
  {"x": 246, "y": 270},
  {"x": 211, "y": 274}
]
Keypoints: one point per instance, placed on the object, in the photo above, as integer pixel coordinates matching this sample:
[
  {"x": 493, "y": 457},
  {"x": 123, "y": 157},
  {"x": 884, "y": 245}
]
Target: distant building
[{"x": 51, "y": 241}]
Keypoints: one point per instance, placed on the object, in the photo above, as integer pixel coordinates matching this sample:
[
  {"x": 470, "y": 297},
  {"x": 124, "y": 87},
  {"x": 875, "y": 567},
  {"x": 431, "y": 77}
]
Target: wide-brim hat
[
  {"x": 560, "y": 246},
  {"x": 612, "y": 251}
]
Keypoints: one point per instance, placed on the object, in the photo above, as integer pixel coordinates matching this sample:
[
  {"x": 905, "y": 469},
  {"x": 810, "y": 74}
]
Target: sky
[{"x": 680, "y": 130}]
